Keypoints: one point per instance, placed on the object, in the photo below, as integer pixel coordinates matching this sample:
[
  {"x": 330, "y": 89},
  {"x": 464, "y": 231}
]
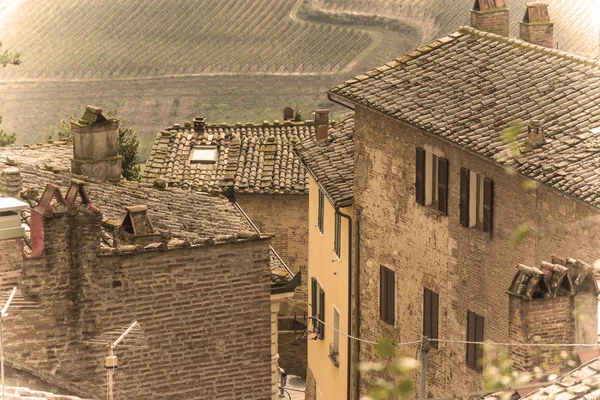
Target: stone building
[
  {"x": 252, "y": 163},
  {"x": 447, "y": 202},
  {"x": 95, "y": 256},
  {"x": 329, "y": 159}
]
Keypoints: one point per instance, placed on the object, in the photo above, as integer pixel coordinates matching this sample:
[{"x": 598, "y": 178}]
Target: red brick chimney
[
  {"x": 490, "y": 16},
  {"x": 536, "y": 27},
  {"x": 322, "y": 124}
]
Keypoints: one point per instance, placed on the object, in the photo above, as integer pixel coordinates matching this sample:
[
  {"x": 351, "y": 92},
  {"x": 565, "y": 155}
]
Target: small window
[
  {"x": 431, "y": 301},
  {"x": 476, "y": 200},
  {"x": 432, "y": 180},
  {"x": 387, "y": 295},
  {"x": 321, "y": 216},
  {"x": 317, "y": 307},
  {"x": 337, "y": 241},
  {"x": 474, "y": 334},
  {"x": 204, "y": 155}
]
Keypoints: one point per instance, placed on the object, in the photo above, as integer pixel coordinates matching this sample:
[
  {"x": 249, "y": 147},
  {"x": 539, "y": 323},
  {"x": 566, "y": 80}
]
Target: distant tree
[
  {"x": 63, "y": 132},
  {"x": 298, "y": 116},
  {"x": 7, "y": 58},
  {"x": 128, "y": 146}
]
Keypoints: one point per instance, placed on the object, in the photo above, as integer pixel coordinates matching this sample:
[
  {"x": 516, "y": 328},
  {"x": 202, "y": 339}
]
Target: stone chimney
[
  {"x": 10, "y": 182},
  {"x": 322, "y": 124},
  {"x": 95, "y": 146},
  {"x": 288, "y": 113},
  {"x": 199, "y": 124},
  {"x": 490, "y": 16},
  {"x": 555, "y": 303},
  {"x": 536, "y": 27},
  {"x": 535, "y": 134}
]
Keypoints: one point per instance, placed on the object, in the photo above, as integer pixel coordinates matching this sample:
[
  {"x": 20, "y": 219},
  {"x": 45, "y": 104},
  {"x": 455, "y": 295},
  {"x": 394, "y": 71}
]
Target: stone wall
[
  {"x": 470, "y": 269},
  {"x": 203, "y": 312},
  {"x": 286, "y": 217}
]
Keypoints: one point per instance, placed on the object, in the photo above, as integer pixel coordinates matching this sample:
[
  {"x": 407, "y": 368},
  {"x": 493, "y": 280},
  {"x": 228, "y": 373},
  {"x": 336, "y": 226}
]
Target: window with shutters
[
  {"x": 476, "y": 200},
  {"x": 431, "y": 302},
  {"x": 432, "y": 180},
  {"x": 337, "y": 240},
  {"x": 317, "y": 307},
  {"x": 387, "y": 295},
  {"x": 321, "y": 215},
  {"x": 334, "y": 347},
  {"x": 474, "y": 334}
]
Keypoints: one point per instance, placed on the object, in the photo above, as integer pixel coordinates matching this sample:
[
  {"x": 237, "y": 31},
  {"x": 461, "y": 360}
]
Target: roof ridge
[
  {"x": 265, "y": 123},
  {"x": 529, "y": 46}
]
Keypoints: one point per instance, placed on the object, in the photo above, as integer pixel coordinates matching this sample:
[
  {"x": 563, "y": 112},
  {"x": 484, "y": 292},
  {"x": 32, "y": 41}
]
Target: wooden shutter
[
  {"x": 464, "y": 197},
  {"x": 478, "y": 347},
  {"x": 337, "y": 240},
  {"x": 471, "y": 322},
  {"x": 427, "y": 313},
  {"x": 488, "y": 204},
  {"x": 382, "y": 288},
  {"x": 442, "y": 185},
  {"x": 321, "y": 212},
  {"x": 313, "y": 302},
  {"x": 391, "y": 296},
  {"x": 435, "y": 304},
  {"x": 322, "y": 314},
  {"x": 420, "y": 183}
]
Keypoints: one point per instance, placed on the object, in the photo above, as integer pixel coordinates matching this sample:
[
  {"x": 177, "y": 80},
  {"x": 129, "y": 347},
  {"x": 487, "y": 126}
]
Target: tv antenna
[{"x": 111, "y": 362}]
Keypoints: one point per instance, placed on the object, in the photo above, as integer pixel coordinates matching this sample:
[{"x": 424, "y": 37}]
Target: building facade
[
  {"x": 329, "y": 158},
  {"x": 448, "y": 202}
]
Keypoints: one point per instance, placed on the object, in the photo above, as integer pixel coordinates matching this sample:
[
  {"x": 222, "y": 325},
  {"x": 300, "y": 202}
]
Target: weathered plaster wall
[
  {"x": 286, "y": 217},
  {"x": 468, "y": 268},
  {"x": 204, "y": 314}
]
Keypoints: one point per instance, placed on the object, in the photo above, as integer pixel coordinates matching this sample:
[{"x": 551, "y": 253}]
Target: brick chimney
[
  {"x": 490, "y": 16},
  {"x": 322, "y": 124},
  {"x": 288, "y": 113},
  {"x": 555, "y": 303},
  {"x": 535, "y": 134},
  {"x": 95, "y": 146},
  {"x": 10, "y": 182},
  {"x": 536, "y": 27},
  {"x": 199, "y": 124}
]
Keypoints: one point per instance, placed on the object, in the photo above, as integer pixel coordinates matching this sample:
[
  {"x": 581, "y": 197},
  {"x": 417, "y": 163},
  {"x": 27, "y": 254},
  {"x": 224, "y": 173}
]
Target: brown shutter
[
  {"x": 313, "y": 301},
  {"x": 435, "y": 300},
  {"x": 488, "y": 204},
  {"x": 391, "y": 296},
  {"x": 322, "y": 314},
  {"x": 471, "y": 321},
  {"x": 479, "y": 347},
  {"x": 427, "y": 313},
  {"x": 382, "y": 289},
  {"x": 420, "y": 183},
  {"x": 464, "y": 197},
  {"x": 442, "y": 186}
]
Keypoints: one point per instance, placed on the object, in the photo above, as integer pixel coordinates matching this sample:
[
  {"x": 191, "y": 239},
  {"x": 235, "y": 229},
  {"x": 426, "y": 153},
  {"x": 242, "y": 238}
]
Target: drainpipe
[
  {"x": 357, "y": 221},
  {"x": 348, "y": 357}
]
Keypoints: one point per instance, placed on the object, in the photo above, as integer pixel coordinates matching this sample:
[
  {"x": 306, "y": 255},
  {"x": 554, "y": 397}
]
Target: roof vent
[
  {"x": 199, "y": 123},
  {"x": 535, "y": 134},
  {"x": 137, "y": 228}
]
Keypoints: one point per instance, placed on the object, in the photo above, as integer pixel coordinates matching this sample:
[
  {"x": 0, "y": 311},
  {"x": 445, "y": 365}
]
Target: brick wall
[
  {"x": 468, "y": 268},
  {"x": 204, "y": 314},
  {"x": 491, "y": 21},
  {"x": 286, "y": 217}
]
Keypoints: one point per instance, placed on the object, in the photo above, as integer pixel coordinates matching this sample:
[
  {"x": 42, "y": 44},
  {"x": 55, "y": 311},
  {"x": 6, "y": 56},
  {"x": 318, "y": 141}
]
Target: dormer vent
[{"x": 137, "y": 228}]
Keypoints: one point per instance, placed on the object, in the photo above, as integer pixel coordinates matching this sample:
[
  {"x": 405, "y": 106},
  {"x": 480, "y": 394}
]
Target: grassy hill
[{"x": 160, "y": 62}]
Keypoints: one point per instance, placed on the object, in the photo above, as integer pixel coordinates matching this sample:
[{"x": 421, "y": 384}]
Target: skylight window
[
  {"x": 596, "y": 130},
  {"x": 204, "y": 155}
]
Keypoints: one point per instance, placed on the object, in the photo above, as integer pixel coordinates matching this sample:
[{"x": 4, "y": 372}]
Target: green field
[{"x": 160, "y": 62}]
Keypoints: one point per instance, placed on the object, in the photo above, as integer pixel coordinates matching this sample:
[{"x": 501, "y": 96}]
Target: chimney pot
[
  {"x": 535, "y": 134},
  {"x": 10, "y": 182},
  {"x": 288, "y": 113},
  {"x": 490, "y": 16},
  {"x": 199, "y": 124},
  {"x": 536, "y": 27},
  {"x": 322, "y": 124}
]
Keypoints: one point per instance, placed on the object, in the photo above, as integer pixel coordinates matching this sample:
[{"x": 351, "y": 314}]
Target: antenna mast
[{"x": 111, "y": 362}]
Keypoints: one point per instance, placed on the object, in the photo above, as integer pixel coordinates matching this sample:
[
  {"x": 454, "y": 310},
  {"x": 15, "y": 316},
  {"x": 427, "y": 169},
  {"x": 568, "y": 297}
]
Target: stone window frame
[
  {"x": 476, "y": 200},
  {"x": 432, "y": 173}
]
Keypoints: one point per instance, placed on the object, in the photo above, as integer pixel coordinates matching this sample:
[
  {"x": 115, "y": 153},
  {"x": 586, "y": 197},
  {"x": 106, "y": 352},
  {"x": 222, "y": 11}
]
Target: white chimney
[{"x": 10, "y": 218}]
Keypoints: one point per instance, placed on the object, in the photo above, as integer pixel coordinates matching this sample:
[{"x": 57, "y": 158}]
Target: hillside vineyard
[{"x": 138, "y": 38}]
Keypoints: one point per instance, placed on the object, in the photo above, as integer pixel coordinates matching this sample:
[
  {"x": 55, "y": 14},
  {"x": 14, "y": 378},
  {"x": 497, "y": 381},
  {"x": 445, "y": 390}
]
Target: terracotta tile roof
[
  {"x": 332, "y": 162},
  {"x": 251, "y": 158},
  {"x": 181, "y": 218},
  {"x": 467, "y": 87}
]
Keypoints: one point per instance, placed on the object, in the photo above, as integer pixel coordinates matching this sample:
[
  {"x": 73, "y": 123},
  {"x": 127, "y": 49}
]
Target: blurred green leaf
[
  {"x": 519, "y": 234},
  {"x": 530, "y": 184},
  {"x": 385, "y": 347},
  {"x": 405, "y": 387},
  {"x": 510, "y": 134}
]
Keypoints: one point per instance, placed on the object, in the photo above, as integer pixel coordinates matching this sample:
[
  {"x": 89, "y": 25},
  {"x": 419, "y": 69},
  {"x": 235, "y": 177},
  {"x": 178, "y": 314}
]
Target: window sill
[{"x": 431, "y": 210}]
